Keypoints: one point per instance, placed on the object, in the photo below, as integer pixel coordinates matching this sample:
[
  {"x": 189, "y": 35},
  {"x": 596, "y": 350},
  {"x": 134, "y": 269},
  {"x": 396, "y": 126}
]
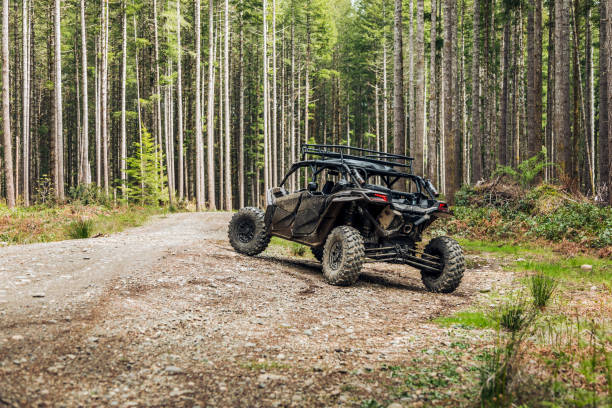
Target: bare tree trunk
[
  {"x": 399, "y": 138},
  {"x": 84, "y": 171},
  {"x": 450, "y": 154},
  {"x": 433, "y": 109},
  {"x": 419, "y": 124},
  {"x": 562, "y": 128},
  {"x": 210, "y": 124},
  {"x": 293, "y": 138},
  {"x": 59, "y": 144},
  {"x": 609, "y": 94},
  {"x": 265, "y": 96},
  {"x": 179, "y": 97},
  {"x": 604, "y": 161},
  {"x": 228, "y": 163},
  {"x": 198, "y": 111},
  {"x": 6, "y": 114},
  {"x": 104, "y": 94},
  {"x": 476, "y": 133},
  {"x": 26, "y": 103},
  {"x": 123, "y": 102},
  {"x": 385, "y": 100},
  {"x": 241, "y": 179},
  {"x": 274, "y": 102}
]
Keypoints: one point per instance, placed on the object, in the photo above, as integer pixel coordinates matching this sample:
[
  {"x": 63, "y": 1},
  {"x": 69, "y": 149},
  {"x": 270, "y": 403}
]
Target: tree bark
[
  {"x": 476, "y": 132},
  {"x": 419, "y": 123},
  {"x": 562, "y": 129},
  {"x": 228, "y": 163},
  {"x": 609, "y": 94},
  {"x": 433, "y": 98},
  {"x": 179, "y": 97},
  {"x": 59, "y": 143},
  {"x": 6, "y": 114},
  {"x": 198, "y": 112},
  {"x": 399, "y": 138},
  {"x": 210, "y": 124},
  {"x": 449, "y": 156},
  {"x": 123, "y": 103},
  {"x": 604, "y": 162}
]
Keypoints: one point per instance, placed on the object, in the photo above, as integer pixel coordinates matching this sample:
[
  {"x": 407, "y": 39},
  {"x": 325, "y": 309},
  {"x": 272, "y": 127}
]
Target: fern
[{"x": 527, "y": 171}]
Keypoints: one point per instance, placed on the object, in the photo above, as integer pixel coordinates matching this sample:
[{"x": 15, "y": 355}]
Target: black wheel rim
[
  {"x": 335, "y": 255},
  {"x": 246, "y": 231}
]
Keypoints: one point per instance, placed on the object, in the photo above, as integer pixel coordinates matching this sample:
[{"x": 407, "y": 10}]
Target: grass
[
  {"x": 288, "y": 247},
  {"x": 542, "y": 288},
  {"x": 80, "y": 229},
  {"x": 468, "y": 320},
  {"x": 71, "y": 221}
]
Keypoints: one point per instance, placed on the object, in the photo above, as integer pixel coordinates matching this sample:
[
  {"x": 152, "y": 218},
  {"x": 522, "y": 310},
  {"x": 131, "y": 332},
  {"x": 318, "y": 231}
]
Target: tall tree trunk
[
  {"x": 210, "y": 124},
  {"x": 84, "y": 169},
  {"x": 399, "y": 138},
  {"x": 562, "y": 129},
  {"x": 59, "y": 143},
  {"x": 123, "y": 102},
  {"x": 419, "y": 123},
  {"x": 179, "y": 97},
  {"x": 450, "y": 154},
  {"x": 433, "y": 97},
  {"x": 476, "y": 133},
  {"x": 604, "y": 162},
  {"x": 198, "y": 112},
  {"x": 274, "y": 102},
  {"x": 265, "y": 96},
  {"x": 26, "y": 103},
  {"x": 6, "y": 114},
  {"x": 385, "y": 98},
  {"x": 104, "y": 94},
  {"x": 609, "y": 94},
  {"x": 241, "y": 180},
  {"x": 228, "y": 163}
]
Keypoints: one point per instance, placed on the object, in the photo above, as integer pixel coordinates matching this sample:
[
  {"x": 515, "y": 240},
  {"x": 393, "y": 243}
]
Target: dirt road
[{"x": 169, "y": 315}]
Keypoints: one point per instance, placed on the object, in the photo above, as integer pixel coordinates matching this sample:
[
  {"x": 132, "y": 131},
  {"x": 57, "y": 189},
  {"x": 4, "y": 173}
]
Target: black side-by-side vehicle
[{"x": 360, "y": 205}]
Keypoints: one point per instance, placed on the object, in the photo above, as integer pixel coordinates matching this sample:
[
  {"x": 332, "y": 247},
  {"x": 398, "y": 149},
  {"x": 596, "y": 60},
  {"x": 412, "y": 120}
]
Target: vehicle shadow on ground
[{"x": 313, "y": 269}]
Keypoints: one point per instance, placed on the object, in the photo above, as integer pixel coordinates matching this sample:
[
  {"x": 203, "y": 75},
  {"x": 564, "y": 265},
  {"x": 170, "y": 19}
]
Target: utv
[{"x": 370, "y": 208}]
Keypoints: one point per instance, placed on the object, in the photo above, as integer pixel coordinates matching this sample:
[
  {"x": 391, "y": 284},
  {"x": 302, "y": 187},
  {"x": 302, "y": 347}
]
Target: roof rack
[{"x": 356, "y": 153}]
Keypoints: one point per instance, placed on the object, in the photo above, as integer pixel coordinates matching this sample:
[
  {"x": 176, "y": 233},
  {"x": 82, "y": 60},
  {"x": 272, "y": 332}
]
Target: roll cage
[{"x": 358, "y": 165}]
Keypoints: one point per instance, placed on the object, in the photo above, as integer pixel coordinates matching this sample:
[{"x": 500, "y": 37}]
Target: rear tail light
[
  {"x": 379, "y": 197},
  {"x": 443, "y": 207}
]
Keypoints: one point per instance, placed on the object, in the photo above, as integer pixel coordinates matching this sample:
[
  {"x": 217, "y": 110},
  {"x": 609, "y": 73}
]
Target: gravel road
[{"x": 168, "y": 314}]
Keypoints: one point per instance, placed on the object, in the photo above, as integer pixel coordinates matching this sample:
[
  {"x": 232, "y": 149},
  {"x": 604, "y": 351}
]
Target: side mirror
[{"x": 313, "y": 186}]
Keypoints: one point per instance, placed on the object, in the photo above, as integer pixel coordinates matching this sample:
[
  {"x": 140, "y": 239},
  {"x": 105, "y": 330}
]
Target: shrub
[
  {"x": 513, "y": 316},
  {"x": 89, "y": 195},
  {"x": 542, "y": 288},
  {"x": 80, "y": 229}
]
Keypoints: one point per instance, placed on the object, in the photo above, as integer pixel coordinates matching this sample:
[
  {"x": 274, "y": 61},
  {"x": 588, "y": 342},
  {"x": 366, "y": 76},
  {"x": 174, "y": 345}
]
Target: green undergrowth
[
  {"x": 288, "y": 247},
  {"x": 507, "y": 211},
  {"x": 468, "y": 320},
  {"x": 25, "y": 225}
]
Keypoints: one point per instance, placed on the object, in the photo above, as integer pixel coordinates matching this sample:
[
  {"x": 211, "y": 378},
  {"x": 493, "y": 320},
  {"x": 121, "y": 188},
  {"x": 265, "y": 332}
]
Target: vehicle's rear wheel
[
  {"x": 453, "y": 265},
  {"x": 343, "y": 256},
  {"x": 317, "y": 252},
  {"x": 247, "y": 231}
]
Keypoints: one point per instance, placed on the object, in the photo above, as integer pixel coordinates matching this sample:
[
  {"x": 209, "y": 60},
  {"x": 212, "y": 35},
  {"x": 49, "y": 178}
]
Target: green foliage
[
  {"x": 468, "y": 320},
  {"x": 44, "y": 192},
  {"x": 89, "y": 195},
  {"x": 80, "y": 229},
  {"x": 542, "y": 288},
  {"x": 513, "y": 316},
  {"x": 144, "y": 170},
  {"x": 527, "y": 171}
]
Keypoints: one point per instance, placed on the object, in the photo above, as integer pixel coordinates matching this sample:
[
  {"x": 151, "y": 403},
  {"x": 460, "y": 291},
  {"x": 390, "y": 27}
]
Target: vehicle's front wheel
[
  {"x": 248, "y": 233},
  {"x": 453, "y": 265},
  {"x": 343, "y": 256}
]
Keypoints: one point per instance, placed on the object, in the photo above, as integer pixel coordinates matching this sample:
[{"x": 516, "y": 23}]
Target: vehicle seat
[{"x": 328, "y": 187}]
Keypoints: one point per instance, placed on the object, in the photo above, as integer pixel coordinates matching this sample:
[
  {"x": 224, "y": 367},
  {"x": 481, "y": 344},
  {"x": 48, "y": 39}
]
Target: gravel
[{"x": 169, "y": 315}]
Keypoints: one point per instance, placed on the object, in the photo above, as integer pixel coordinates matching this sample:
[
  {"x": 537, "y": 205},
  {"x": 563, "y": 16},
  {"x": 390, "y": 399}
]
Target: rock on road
[{"x": 167, "y": 314}]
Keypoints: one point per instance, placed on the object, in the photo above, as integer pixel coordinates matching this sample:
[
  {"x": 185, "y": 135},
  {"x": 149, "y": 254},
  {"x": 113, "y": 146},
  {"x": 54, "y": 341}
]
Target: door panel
[
  {"x": 284, "y": 212},
  {"x": 308, "y": 214}
]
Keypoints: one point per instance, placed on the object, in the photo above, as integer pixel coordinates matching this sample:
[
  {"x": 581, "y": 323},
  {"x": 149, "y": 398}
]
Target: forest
[{"x": 211, "y": 102}]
